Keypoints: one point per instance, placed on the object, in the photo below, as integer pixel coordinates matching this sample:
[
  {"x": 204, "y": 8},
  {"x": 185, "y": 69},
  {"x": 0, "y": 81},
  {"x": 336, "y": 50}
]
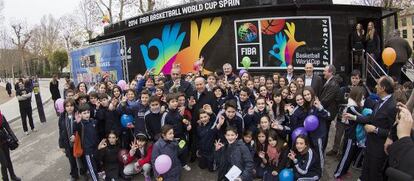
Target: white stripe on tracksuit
[
  {"x": 308, "y": 178},
  {"x": 321, "y": 155},
  {"x": 344, "y": 158},
  {"x": 90, "y": 168}
]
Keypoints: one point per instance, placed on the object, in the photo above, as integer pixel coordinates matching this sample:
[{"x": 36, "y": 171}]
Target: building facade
[{"x": 406, "y": 25}]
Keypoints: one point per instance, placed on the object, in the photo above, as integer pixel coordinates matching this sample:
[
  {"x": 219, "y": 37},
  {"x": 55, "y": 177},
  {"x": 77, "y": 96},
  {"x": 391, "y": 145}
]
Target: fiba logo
[{"x": 247, "y": 32}]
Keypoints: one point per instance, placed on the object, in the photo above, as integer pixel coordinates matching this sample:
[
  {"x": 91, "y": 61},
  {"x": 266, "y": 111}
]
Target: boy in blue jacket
[
  {"x": 206, "y": 134},
  {"x": 86, "y": 128}
]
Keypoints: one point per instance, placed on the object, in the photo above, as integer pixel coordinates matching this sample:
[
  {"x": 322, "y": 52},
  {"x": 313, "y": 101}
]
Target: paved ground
[{"x": 4, "y": 97}]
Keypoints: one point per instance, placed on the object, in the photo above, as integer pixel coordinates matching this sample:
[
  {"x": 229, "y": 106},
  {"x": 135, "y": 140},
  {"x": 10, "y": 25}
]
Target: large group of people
[{"x": 223, "y": 120}]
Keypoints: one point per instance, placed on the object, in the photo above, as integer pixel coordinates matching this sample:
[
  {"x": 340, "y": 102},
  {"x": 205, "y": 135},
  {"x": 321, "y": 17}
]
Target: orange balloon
[{"x": 388, "y": 56}]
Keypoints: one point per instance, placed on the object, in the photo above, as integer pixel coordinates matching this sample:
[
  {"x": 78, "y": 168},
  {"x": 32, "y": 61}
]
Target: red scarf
[{"x": 273, "y": 154}]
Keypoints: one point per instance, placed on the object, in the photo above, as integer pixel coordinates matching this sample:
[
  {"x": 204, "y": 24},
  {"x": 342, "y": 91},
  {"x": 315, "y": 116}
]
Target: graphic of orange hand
[{"x": 292, "y": 43}]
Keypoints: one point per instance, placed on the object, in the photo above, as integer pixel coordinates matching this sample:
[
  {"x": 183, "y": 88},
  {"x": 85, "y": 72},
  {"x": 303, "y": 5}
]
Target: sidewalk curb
[{"x": 34, "y": 109}]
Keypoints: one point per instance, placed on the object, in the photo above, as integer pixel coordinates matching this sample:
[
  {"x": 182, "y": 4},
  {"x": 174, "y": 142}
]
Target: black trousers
[
  {"x": 395, "y": 71},
  {"x": 72, "y": 162},
  {"x": 5, "y": 162},
  {"x": 373, "y": 166},
  {"x": 26, "y": 112},
  {"x": 348, "y": 155}
]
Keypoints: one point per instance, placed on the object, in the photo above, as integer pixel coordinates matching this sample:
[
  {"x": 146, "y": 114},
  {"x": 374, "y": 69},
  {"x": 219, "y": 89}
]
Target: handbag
[
  {"x": 77, "y": 145},
  {"x": 10, "y": 141}
]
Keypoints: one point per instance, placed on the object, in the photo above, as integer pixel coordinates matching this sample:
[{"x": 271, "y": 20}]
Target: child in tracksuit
[
  {"x": 86, "y": 127},
  {"x": 354, "y": 107},
  {"x": 181, "y": 127},
  {"x": 66, "y": 122},
  {"x": 317, "y": 136},
  {"x": 305, "y": 161},
  {"x": 153, "y": 119},
  {"x": 206, "y": 133},
  {"x": 105, "y": 118}
]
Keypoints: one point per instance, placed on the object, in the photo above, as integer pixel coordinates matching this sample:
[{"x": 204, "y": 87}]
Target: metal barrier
[{"x": 373, "y": 68}]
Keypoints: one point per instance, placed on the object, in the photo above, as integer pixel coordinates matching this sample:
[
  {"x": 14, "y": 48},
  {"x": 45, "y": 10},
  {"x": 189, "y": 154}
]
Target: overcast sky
[{"x": 33, "y": 10}]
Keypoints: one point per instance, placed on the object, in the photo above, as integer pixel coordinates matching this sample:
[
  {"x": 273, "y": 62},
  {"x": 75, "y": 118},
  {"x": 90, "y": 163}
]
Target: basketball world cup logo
[{"x": 247, "y": 32}]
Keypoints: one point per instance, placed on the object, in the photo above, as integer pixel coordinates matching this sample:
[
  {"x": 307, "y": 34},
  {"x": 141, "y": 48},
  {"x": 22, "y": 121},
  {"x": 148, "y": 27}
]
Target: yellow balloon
[{"x": 388, "y": 56}]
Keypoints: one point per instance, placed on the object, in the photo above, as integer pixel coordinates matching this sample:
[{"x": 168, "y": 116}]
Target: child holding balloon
[
  {"x": 354, "y": 107},
  {"x": 164, "y": 156},
  {"x": 315, "y": 122},
  {"x": 305, "y": 161}
]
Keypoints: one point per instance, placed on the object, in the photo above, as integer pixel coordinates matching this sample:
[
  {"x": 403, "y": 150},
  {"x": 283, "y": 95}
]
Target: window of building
[
  {"x": 404, "y": 22},
  {"x": 412, "y": 20},
  {"x": 404, "y": 33}
]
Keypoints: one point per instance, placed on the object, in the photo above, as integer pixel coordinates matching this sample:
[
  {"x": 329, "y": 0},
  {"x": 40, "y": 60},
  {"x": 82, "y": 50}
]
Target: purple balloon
[
  {"x": 297, "y": 132},
  {"x": 311, "y": 123},
  {"x": 59, "y": 105},
  {"x": 163, "y": 164}
]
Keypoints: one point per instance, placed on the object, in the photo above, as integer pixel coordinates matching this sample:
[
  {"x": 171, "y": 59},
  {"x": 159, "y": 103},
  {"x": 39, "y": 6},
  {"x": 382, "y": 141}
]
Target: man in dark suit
[
  {"x": 329, "y": 97},
  {"x": 289, "y": 74},
  {"x": 201, "y": 98},
  {"x": 176, "y": 84},
  {"x": 314, "y": 81},
  {"x": 377, "y": 126}
]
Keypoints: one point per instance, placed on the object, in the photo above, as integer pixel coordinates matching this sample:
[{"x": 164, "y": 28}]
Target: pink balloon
[
  {"x": 59, "y": 105},
  {"x": 163, "y": 164},
  {"x": 122, "y": 84}
]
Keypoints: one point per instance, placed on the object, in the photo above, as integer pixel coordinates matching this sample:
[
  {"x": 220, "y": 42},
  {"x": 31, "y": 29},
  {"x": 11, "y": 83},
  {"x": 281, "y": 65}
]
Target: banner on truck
[{"x": 92, "y": 63}]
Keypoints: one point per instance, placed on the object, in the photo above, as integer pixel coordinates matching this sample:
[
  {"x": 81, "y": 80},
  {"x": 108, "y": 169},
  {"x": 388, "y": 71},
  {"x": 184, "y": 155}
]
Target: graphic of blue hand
[{"x": 280, "y": 47}]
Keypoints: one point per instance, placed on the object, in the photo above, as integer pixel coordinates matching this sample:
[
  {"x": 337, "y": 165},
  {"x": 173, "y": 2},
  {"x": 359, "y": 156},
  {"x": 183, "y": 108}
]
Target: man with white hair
[
  {"x": 176, "y": 84},
  {"x": 228, "y": 72}
]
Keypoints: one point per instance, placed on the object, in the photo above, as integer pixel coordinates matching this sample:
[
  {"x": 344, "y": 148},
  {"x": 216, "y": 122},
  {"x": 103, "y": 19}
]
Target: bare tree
[
  {"x": 89, "y": 18},
  {"x": 22, "y": 35},
  {"x": 70, "y": 32}
]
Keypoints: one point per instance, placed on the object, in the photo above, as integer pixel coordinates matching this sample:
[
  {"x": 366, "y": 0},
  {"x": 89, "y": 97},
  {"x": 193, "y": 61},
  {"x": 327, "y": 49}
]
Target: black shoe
[{"x": 15, "y": 178}]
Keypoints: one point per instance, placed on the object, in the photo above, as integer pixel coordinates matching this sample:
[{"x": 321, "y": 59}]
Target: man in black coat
[
  {"x": 176, "y": 84},
  {"x": 329, "y": 97},
  {"x": 24, "y": 96},
  {"x": 312, "y": 80},
  {"x": 377, "y": 128},
  {"x": 403, "y": 50},
  {"x": 198, "y": 100}
]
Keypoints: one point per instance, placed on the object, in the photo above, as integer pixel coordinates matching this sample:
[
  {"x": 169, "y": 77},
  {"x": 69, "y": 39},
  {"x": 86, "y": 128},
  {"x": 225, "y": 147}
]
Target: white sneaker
[
  {"x": 34, "y": 130},
  {"x": 187, "y": 168},
  {"x": 26, "y": 133}
]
